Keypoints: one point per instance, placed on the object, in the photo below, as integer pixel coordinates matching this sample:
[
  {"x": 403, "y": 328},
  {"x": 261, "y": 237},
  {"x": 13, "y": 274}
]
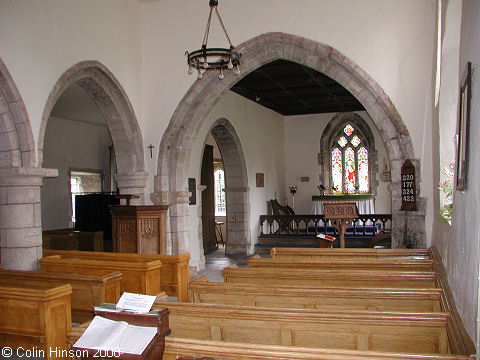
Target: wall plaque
[
  {"x": 409, "y": 193},
  {"x": 260, "y": 180}
]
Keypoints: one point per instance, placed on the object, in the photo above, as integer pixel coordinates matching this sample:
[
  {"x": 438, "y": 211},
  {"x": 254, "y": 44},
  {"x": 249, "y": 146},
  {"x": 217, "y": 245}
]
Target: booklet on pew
[
  {"x": 117, "y": 336},
  {"x": 136, "y": 303}
]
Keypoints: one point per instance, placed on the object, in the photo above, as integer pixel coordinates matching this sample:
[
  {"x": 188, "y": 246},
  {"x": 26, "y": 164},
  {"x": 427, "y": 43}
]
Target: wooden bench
[
  {"x": 70, "y": 239},
  {"x": 352, "y": 330},
  {"x": 321, "y": 254},
  {"x": 331, "y": 277},
  {"x": 175, "y": 274},
  {"x": 87, "y": 290},
  {"x": 35, "y": 317},
  {"x": 358, "y": 264},
  {"x": 141, "y": 277},
  {"x": 341, "y": 298},
  {"x": 209, "y": 350}
]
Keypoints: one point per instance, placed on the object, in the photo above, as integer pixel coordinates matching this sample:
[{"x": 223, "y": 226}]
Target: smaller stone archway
[
  {"x": 112, "y": 101},
  {"x": 236, "y": 188}
]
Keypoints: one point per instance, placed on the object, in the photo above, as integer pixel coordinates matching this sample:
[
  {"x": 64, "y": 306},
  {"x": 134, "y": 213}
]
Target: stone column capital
[
  {"x": 131, "y": 180},
  {"x": 22, "y": 176}
]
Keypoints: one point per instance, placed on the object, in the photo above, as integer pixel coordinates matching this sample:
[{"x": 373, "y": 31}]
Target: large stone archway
[
  {"x": 112, "y": 101},
  {"x": 175, "y": 148},
  {"x": 20, "y": 181}
]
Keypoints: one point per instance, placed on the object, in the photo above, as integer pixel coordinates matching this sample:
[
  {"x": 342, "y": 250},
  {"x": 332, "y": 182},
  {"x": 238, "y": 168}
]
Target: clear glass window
[{"x": 220, "y": 206}]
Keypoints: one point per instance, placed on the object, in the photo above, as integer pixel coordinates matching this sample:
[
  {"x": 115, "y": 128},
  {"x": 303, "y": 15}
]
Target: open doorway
[{"x": 213, "y": 197}]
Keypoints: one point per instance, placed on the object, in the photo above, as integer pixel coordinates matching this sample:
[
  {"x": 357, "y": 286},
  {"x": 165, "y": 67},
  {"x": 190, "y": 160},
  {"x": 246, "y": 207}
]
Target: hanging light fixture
[{"x": 220, "y": 59}]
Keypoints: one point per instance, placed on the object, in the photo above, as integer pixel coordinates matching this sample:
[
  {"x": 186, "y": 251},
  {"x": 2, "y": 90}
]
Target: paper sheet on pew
[
  {"x": 137, "y": 303},
  {"x": 106, "y": 334}
]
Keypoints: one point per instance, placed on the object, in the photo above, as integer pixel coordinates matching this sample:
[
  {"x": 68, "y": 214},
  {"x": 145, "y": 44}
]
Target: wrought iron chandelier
[{"x": 206, "y": 58}]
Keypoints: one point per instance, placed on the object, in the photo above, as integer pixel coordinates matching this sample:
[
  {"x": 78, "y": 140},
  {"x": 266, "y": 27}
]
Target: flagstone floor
[{"x": 216, "y": 261}]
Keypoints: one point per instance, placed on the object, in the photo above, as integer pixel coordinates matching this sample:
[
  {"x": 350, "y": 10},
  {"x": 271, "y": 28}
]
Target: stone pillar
[
  {"x": 408, "y": 227},
  {"x": 20, "y": 216},
  {"x": 132, "y": 184},
  {"x": 177, "y": 219},
  {"x": 238, "y": 230}
]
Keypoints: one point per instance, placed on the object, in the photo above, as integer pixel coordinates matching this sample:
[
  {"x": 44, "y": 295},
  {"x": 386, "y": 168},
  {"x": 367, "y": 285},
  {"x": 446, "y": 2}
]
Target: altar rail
[{"x": 366, "y": 225}]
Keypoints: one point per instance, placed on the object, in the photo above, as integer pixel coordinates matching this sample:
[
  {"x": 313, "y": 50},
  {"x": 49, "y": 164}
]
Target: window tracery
[{"x": 348, "y": 157}]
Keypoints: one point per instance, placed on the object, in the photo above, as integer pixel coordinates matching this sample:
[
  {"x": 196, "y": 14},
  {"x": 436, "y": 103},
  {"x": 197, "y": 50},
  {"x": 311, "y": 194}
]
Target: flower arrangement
[{"x": 446, "y": 187}]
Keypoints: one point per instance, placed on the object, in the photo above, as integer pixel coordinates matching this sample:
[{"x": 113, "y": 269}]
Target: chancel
[{"x": 121, "y": 172}]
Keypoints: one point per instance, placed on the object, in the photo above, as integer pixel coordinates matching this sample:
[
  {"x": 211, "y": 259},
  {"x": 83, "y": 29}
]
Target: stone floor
[{"x": 216, "y": 261}]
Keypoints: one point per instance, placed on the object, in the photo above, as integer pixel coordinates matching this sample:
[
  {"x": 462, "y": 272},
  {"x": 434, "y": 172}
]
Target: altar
[{"x": 365, "y": 202}]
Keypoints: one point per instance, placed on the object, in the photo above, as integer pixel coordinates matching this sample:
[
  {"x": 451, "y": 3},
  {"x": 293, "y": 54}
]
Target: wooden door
[{"x": 208, "y": 201}]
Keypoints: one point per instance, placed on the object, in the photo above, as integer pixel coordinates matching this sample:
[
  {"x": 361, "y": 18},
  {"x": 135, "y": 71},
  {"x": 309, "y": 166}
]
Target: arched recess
[
  {"x": 17, "y": 147},
  {"x": 175, "y": 147},
  {"x": 112, "y": 101},
  {"x": 331, "y": 133},
  {"x": 236, "y": 187}
]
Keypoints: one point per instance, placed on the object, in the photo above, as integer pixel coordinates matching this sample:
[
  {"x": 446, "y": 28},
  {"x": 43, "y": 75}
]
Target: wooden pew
[
  {"x": 141, "y": 277},
  {"x": 331, "y": 277},
  {"x": 358, "y": 264},
  {"x": 87, "y": 290},
  {"x": 175, "y": 274},
  {"x": 330, "y": 254},
  {"x": 70, "y": 239},
  {"x": 351, "y": 330},
  {"x": 207, "y": 349},
  {"x": 175, "y": 347},
  {"x": 341, "y": 298},
  {"x": 35, "y": 317}
]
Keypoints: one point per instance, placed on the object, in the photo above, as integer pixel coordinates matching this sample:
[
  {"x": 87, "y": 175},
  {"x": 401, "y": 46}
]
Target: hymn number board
[{"x": 409, "y": 193}]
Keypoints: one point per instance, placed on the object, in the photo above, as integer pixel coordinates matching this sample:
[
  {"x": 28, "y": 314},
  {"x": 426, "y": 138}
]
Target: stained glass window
[
  {"x": 355, "y": 141},
  {"x": 349, "y": 163},
  {"x": 337, "y": 170},
  {"x": 350, "y": 170},
  {"x": 362, "y": 155},
  {"x": 349, "y": 130},
  {"x": 342, "y": 141}
]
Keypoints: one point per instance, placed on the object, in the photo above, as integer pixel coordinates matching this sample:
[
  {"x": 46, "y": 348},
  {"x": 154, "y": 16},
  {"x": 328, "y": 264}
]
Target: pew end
[{"x": 35, "y": 317}]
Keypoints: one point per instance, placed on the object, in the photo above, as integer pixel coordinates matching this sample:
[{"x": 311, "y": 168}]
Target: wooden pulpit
[{"x": 139, "y": 228}]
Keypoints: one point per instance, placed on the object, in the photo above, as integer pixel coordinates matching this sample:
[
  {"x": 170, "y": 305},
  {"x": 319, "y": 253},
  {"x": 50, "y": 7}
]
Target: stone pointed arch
[
  {"x": 112, "y": 101},
  {"x": 177, "y": 141},
  {"x": 20, "y": 181},
  {"x": 16, "y": 138},
  {"x": 236, "y": 187}
]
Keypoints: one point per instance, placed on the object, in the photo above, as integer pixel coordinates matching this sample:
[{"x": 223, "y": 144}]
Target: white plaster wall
[
  {"x": 41, "y": 39},
  {"x": 302, "y": 145},
  {"x": 70, "y": 144},
  {"x": 462, "y": 249},
  {"x": 261, "y": 134},
  {"x": 372, "y": 33}
]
